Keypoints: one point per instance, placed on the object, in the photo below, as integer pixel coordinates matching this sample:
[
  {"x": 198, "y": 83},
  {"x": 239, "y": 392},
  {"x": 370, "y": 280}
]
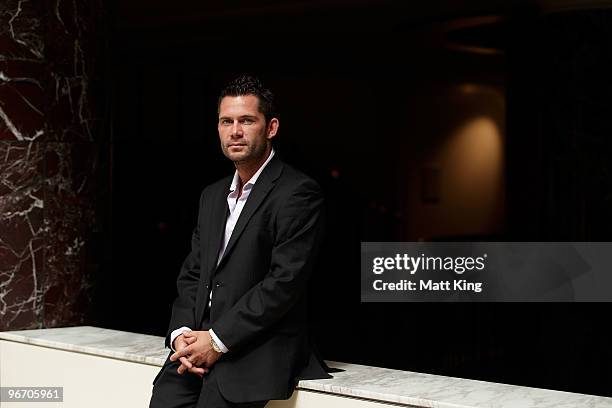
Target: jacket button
[
  {"x": 219, "y": 284},
  {"x": 207, "y": 285}
]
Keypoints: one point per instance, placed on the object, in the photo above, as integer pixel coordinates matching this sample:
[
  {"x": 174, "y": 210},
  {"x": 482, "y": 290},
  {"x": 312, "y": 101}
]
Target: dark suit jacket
[{"x": 259, "y": 303}]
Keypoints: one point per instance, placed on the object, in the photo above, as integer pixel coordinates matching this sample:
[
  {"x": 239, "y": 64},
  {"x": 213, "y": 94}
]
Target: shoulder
[
  {"x": 294, "y": 181},
  {"x": 298, "y": 201},
  {"x": 296, "y": 194}
]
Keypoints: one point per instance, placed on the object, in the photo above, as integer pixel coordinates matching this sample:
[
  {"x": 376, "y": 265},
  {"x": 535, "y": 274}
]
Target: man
[{"x": 238, "y": 327}]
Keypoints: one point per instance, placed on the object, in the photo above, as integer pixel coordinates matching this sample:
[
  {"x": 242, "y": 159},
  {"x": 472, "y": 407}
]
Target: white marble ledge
[
  {"x": 412, "y": 389},
  {"x": 122, "y": 345},
  {"x": 403, "y": 388}
]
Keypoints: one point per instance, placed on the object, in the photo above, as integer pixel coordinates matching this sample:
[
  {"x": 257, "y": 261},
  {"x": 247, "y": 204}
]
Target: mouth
[{"x": 237, "y": 145}]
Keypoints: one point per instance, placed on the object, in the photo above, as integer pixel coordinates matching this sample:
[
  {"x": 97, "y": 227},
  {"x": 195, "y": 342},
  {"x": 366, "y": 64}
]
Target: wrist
[
  {"x": 180, "y": 336},
  {"x": 214, "y": 345}
]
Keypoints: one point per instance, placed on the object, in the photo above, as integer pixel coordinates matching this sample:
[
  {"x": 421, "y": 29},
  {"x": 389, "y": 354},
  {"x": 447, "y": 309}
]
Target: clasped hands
[{"x": 195, "y": 353}]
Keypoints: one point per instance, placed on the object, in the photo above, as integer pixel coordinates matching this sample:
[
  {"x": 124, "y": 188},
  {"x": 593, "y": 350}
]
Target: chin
[{"x": 237, "y": 157}]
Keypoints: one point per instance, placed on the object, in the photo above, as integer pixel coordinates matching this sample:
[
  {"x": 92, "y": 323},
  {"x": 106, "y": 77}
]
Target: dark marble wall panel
[
  {"x": 21, "y": 233},
  {"x": 51, "y": 146}
]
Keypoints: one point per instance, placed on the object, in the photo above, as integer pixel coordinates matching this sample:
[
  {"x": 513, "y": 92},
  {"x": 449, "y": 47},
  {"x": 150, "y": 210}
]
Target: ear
[{"x": 272, "y": 128}]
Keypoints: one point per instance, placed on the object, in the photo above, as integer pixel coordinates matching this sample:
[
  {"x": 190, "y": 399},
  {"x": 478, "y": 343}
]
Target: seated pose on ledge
[{"x": 238, "y": 328}]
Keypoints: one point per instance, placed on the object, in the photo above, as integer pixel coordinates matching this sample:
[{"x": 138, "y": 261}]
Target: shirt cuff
[
  {"x": 218, "y": 341},
  {"x": 177, "y": 333}
]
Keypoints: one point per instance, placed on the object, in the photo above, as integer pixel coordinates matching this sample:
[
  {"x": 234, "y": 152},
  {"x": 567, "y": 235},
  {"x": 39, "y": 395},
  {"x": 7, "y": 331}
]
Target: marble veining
[
  {"x": 372, "y": 383},
  {"x": 49, "y": 160},
  {"x": 134, "y": 347},
  {"x": 435, "y": 391}
]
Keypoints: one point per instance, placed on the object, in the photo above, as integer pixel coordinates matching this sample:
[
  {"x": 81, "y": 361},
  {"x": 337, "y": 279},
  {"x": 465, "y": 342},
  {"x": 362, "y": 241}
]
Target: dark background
[{"x": 366, "y": 93}]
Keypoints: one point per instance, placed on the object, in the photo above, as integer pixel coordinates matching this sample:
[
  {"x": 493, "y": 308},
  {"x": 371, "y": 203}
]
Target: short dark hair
[{"x": 251, "y": 85}]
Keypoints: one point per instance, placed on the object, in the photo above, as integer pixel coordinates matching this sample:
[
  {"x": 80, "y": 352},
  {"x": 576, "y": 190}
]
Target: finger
[
  {"x": 198, "y": 370},
  {"x": 185, "y": 361},
  {"x": 189, "y": 334},
  {"x": 191, "y": 340},
  {"x": 175, "y": 356},
  {"x": 185, "y": 351}
]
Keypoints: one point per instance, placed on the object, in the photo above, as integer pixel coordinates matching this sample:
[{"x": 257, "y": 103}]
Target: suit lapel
[
  {"x": 216, "y": 231},
  {"x": 213, "y": 230},
  {"x": 262, "y": 187}
]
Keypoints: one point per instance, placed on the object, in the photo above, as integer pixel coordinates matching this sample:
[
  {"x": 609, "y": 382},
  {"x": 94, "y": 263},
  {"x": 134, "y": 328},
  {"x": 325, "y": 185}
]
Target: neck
[{"x": 246, "y": 170}]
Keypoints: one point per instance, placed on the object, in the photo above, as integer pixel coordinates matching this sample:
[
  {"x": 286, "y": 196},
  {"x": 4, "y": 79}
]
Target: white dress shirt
[{"x": 236, "y": 204}]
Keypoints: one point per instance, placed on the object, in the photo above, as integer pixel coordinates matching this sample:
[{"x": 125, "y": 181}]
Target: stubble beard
[{"x": 251, "y": 154}]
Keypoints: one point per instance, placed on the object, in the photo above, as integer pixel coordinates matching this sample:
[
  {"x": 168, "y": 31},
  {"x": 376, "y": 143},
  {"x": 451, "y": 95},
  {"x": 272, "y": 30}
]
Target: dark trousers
[{"x": 173, "y": 390}]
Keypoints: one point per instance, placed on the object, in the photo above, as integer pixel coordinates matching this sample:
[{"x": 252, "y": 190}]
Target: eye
[
  {"x": 226, "y": 122},
  {"x": 247, "y": 121}
]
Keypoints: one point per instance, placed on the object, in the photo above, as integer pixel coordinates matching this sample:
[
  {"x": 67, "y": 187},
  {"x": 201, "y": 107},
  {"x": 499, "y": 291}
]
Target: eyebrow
[{"x": 239, "y": 117}]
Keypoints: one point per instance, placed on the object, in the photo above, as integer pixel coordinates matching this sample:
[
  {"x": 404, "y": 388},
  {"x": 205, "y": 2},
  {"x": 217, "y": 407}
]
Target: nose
[{"x": 236, "y": 129}]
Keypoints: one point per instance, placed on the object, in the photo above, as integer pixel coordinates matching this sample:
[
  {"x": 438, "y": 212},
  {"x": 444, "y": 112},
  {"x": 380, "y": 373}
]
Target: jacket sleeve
[
  {"x": 183, "y": 308},
  {"x": 299, "y": 233}
]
